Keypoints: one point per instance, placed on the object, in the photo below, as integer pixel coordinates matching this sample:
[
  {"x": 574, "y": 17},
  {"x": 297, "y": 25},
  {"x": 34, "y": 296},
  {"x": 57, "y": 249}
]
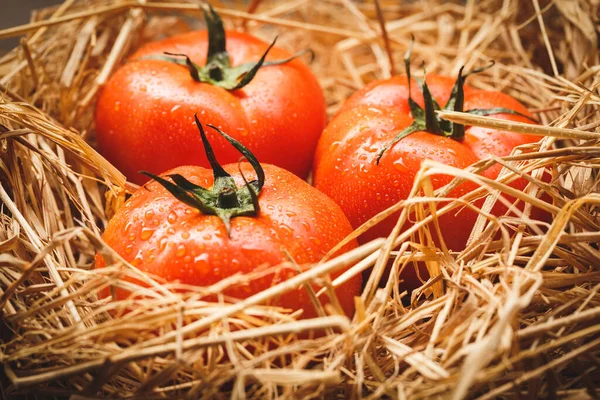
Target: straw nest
[{"x": 515, "y": 314}]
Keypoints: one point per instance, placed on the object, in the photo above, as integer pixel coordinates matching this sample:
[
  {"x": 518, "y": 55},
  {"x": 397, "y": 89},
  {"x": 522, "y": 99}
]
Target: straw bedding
[{"x": 515, "y": 314}]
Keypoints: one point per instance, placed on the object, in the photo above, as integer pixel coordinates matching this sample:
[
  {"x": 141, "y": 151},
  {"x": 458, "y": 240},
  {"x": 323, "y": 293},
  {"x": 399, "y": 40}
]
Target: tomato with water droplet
[
  {"x": 378, "y": 113},
  {"x": 304, "y": 231},
  {"x": 144, "y": 114}
]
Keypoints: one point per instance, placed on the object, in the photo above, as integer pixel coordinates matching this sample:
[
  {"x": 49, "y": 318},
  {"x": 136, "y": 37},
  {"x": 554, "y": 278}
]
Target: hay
[{"x": 515, "y": 314}]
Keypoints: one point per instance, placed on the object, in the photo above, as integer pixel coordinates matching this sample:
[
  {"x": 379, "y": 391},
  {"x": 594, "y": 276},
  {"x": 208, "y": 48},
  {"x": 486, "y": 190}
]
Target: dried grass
[{"x": 515, "y": 314}]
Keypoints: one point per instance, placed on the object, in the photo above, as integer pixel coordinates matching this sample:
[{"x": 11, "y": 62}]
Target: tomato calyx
[
  {"x": 224, "y": 199},
  {"x": 218, "y": 70},
  {"x": 428, "y": 119}
]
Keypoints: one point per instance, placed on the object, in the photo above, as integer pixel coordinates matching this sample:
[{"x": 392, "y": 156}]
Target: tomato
[
  {"x": 196, "y": 236},
  {"x": 369, "y": 154},
  {"x": 143, "y": 116}
]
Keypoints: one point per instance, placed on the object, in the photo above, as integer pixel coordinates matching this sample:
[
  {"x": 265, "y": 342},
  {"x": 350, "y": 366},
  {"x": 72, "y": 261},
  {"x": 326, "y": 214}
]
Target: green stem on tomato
[
  {"x": 218, "y": 70},
  {"x": 224, "y": 199},
  {"x": 428, "y": 119}
]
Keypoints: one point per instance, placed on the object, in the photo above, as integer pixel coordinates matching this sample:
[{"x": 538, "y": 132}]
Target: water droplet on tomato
[
  {"x": 162, "y": 244},
  {"x": 187, "y": 259},
  {"x": 149, "y": 214},
  {"x": 117, "y": 105},
  {"x": 371, "y": 149},
  {"x": 172, "y": 218},
  {"x": 363, "y": 169},
  {"x": 290, "y": 213},
  {"x": 207, "y": 236},
  {"x": 146, "y": 233},
  {"x": 334, "y": 145},
  {"x": 185, "y": 235},
  {"x": 286, "y": 229},
  {"x": 180, "y": 251},
  {"x": 400, "y": 166},
  {"x": 171, "y": 231},
  {"x": 201, "y": 258},
  {"x": 129, "y": 249}
]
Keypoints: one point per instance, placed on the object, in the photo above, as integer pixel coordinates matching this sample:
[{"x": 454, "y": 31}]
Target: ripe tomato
[
  {"x": 182, "y": 232},
  {"x": 371, "y": 151},
  {"x": 143, "y": 114}
]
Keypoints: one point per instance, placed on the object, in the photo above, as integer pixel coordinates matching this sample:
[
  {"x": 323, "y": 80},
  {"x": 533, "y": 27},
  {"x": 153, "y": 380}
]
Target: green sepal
[
  {"x": 224, "y": 199},
  {"x": 414, "y": 127},
  {"x": 498, "y": 110},
  {"x": 431, "y": 119},
  {"x": 415, "y": 109},
  {"x": 217, "y": 51},
  {"x": 189, "y": 197},
  {"x": 260, "y": 173},
  {"x": 456, "y": 103},
  {"x": 218, "y": 70},
  {"x": 244, "y": 73},
  {"x": 457, "y": 96},
  {"x": 194, "y": 69},
  {"x": 218, "y": 170}
]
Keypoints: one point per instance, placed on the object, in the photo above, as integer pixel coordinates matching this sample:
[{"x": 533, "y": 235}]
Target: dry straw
[{"x": 515, "y": 314}]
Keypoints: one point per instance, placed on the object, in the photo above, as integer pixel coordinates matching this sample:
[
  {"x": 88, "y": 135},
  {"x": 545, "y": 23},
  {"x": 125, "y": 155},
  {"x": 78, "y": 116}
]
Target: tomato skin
[
  {"x": 162, "y": 236},
  {"x": 345, "y": 169},
  {"x": 144, "y": 114}
]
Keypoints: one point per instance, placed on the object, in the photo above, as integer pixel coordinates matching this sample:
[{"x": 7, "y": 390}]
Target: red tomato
[
  {"x": 346, "y": 166},
  {"x": 144, "y": 113},
  {"x": 162, "y": 235}
]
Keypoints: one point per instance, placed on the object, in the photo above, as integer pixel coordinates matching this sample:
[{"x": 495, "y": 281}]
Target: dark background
[{"x": 17, "y": 12}]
